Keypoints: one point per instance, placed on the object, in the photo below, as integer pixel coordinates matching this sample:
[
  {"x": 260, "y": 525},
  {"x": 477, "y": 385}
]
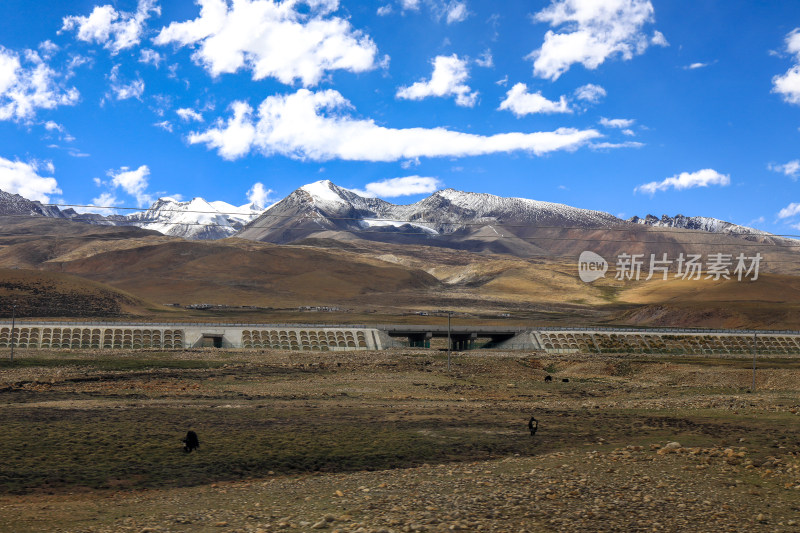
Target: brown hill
[
  {"x": 52, "y": 294},
  {"x": 235, "y": 272},
  {"x": 343, "y": 270}
]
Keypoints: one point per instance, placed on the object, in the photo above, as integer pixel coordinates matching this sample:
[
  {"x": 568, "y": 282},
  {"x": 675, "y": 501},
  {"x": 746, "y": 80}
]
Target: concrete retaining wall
[{"x": 110, "y": 336}]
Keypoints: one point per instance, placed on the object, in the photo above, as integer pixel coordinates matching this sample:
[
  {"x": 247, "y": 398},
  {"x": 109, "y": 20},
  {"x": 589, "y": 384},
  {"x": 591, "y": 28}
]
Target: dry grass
[{"x": 311, "y": 424}]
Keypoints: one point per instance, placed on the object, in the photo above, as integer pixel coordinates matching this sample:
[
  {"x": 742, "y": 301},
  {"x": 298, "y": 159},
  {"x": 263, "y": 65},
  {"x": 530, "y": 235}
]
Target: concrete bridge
[
  {"x": 462, "y": 337},
  {"x": 323, "y": 337}
]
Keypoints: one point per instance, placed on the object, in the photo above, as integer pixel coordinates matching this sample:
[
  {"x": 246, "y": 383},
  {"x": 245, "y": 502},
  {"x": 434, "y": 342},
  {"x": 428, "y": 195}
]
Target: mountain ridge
[{"x": 459, "y": 219}]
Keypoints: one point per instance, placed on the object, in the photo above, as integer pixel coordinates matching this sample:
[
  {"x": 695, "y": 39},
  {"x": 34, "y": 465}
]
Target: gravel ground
[{"x": 742, "y": 480}]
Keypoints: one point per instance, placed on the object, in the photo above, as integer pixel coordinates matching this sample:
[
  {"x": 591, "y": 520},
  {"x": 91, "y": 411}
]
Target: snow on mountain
[
  {"x": 14, "y": 204},
  {"x": 453, "y": 207},
  {"x": 196, "y": 219},
  {"x": 324, "y": 206},
  {"x": 710, "y": 225}
]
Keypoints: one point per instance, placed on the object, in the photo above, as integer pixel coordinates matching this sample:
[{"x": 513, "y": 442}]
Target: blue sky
[{"x": 625, "y": 106}]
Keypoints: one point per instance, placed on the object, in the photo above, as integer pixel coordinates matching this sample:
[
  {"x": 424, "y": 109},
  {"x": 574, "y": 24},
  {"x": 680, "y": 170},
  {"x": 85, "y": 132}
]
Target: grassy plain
[{"x": 392, "y": 441}]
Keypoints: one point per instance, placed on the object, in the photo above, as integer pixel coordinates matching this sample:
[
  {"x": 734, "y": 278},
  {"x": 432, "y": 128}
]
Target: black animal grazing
[
  {"x": 190, "y": 442},
  {"x": 533, "y": 425},
  {"x": 548, "y": 378}
]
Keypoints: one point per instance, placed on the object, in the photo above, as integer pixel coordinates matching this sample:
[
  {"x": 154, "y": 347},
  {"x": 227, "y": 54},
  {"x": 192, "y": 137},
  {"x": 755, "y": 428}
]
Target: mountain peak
[{"x": 325, "y": 191}]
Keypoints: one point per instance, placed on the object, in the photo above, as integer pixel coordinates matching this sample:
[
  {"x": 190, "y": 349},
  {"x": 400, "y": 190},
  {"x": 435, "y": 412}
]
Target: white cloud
[
  {"x": 188, "y": 114},
  {"x": 791, "y": 169},
  {"x": 48, "y": 49},
  {"x": 133, "y": 182},
  {"x": 619, "y": 123},
  {"x": 124, "y": 91},
  {"x": 384, "y": 10},
  {"x": 695, "y": 66},
  {"x": 686, "y": 180},
  {"x": 594, "y": 30},
  {"x": 21, "y": 178},
  {"x": 590, "y": 93},
  {"x": 75, "y": 62},
  {"x": 164, "y": 125},
  {"x": 259, "y": 195},
  {"x": 789, "y": 211},
  {"x": 788, "y": 84},
  {"x": 312, "y": 125},
  {"x": 150, "y": 57},
  {"x": 273, "y": 40},
  {"x": 503, "y": 82},
  {"x": 456, "y": 12},
  {"x": 658, "y": 39},
  {"x": 485, "y": 59},
  {"x": 449, "y": 75},
  {"x": 53, "y": 126},
  {"x": 520, "y": 102},
  {"x": 102, "y": 204},
  {"x": 115, "y": 30},
  {"x": 614, "y": 146},
  {"x": 412, "y": 5},
  {"x": 26, "y": 89},
  {"x": 394, "y": 187}
]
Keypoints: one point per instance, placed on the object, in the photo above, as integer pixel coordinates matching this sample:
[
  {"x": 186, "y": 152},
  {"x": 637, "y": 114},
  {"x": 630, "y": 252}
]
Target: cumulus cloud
[
  {"x": 695, "y": 66},
  {"x": 593, "y": 31},
  {"x": 686, "y": 180},
  {"x": 99, "y": 205},
  {"x": 448, "y": 79},
  {"x": 789, "y": 211},
  {"x": 121, "y": 90},
  {"x": 590, "y": 93},
  {"x": 26, "y": 89},
  {"x": 520, "y": 102},
  {"x": 456, "y": 12},
  {"x": 485, "y": 59},
  {"x": 150, "y": 57},
  {"x": 315, "y": 125},
  {"x": 411, "y": 5},
  {"x": 658, "y": 39},
  {"x": 619, "y": 123},
  {"x": 273, "y": 39},
  {"x": 384, "y": 10},
  {"x": 133, "y": 182},
  {"x": 17, "y": 177},
  {"x": 791, "y": 169},
  {"x": 48, "y": 49},
  {"x": 788, "y": 83},
  {"x": 394, "y": 187},
  {"x": 115, "y": 30},
  {"x": 188, "y": 114},
  {"x": 259, "y": 195}
]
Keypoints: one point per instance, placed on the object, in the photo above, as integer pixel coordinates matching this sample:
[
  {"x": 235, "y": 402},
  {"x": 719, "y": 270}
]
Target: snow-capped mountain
[
  {"x": 710, "y": 225},
  {"x": 196, "y": 219},
  {"x": 447, "y": 218},
  {"x": 458, "y": 216}
]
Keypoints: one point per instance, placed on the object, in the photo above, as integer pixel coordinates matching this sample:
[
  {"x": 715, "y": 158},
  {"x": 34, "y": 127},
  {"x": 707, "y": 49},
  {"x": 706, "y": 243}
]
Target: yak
[{"x": 190, "y": 442}]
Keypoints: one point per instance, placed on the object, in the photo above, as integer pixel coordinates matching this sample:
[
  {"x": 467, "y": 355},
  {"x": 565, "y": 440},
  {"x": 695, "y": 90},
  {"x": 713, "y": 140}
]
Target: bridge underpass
[{"x": 461, "y": 337}]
